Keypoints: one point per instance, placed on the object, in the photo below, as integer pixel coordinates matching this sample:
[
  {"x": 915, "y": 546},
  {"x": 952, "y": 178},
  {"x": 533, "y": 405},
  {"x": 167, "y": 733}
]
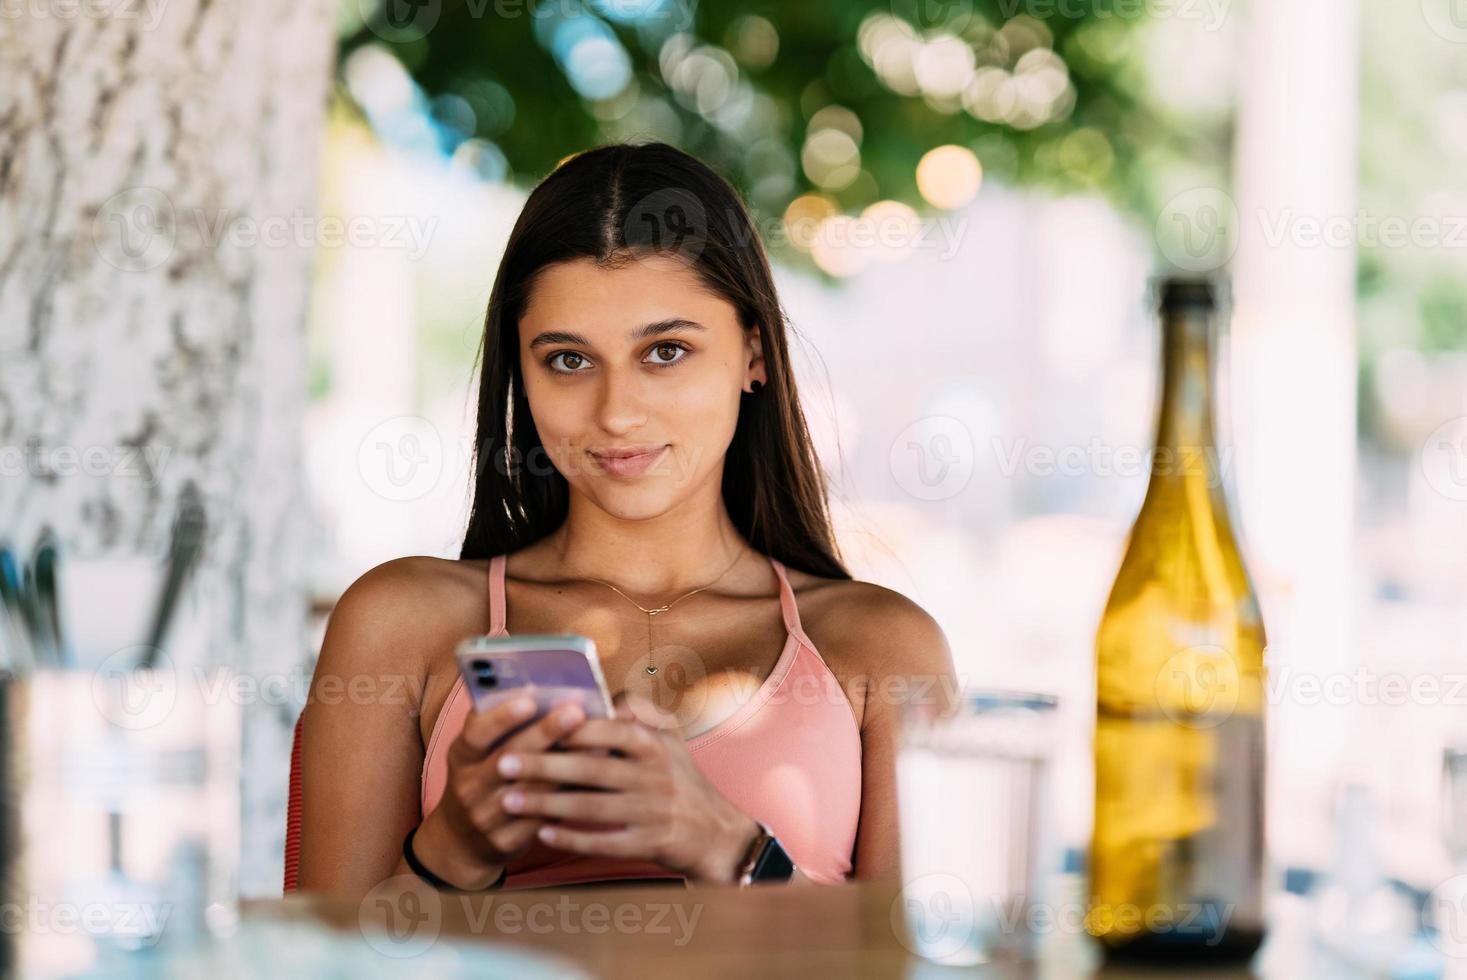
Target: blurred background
[{"x": 965, "y": 202}]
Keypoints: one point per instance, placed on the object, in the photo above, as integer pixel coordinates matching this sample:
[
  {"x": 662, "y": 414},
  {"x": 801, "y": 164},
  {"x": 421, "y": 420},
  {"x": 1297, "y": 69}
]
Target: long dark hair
[{"x": 609, "y": 204}]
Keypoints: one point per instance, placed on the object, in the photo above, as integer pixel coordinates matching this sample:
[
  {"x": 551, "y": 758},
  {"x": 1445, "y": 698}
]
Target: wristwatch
[{"x": 765, "y": 861}]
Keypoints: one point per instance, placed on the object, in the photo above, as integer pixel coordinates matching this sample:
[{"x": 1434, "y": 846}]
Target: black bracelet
[{"x": 432, "y": 879}]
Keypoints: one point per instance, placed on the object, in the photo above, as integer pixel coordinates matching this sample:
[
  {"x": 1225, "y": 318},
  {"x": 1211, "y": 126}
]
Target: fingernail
[
  {"x": 514, "y": 800},
  {"x": 570, "y": 714},
  {"x": 547, "y": 834},
  {"x": 509, "y": 765},
  {"x": 524, "y": 707}
]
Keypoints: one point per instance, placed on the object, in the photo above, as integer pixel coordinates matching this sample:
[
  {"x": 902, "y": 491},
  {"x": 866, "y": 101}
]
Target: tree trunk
[{"x": 156, "y": 160}]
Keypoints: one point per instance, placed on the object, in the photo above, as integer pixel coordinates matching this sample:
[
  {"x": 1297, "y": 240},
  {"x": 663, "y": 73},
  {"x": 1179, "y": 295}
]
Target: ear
[{"x": 754, "y": 346}]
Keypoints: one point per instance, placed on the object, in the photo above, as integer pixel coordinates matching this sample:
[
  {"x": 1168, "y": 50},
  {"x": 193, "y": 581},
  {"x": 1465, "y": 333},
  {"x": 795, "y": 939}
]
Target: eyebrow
[{"x": 671, "y": 325}]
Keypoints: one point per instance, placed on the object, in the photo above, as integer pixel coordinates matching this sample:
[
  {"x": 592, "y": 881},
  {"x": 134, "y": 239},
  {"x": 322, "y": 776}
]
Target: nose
[{"x": 620, "y": 408}]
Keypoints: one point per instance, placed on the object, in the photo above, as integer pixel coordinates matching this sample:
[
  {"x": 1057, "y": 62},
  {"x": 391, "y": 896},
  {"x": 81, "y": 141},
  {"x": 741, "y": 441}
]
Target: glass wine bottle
[{"x": 1176, "y": 861}]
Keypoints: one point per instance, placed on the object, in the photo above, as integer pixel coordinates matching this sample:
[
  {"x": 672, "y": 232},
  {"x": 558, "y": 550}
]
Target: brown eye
[
  {"x": 571, "y": 362},
  {"x": 666, "y": 355}
]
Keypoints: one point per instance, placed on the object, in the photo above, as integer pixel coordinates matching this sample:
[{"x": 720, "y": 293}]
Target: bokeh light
[{"x": 949, "y": 177}]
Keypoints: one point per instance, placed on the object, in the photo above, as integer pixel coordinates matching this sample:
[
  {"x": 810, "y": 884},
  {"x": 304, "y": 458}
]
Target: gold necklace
[{"x": 652, "y": 667}]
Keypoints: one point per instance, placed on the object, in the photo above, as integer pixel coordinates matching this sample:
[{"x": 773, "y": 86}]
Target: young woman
[{"x": 640, "y": 445}]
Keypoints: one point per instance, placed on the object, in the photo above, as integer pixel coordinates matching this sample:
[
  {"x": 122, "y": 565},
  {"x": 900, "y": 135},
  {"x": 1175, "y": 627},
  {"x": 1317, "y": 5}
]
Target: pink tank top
[{"x": 790, "y": 756}]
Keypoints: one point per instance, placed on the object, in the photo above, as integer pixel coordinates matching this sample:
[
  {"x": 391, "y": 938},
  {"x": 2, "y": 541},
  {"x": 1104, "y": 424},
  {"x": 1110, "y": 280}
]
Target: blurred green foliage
[{"x": 506, "y": 61}]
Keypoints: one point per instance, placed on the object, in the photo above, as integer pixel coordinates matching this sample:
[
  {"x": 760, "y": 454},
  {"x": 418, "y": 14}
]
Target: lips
[{"x": 627, "y": 461}]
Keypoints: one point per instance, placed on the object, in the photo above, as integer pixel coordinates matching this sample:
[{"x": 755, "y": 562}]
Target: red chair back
[{"x": 293, "y": 812}]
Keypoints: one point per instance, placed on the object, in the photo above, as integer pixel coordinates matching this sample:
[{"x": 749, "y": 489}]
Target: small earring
[{"x": 756, "y": 385}]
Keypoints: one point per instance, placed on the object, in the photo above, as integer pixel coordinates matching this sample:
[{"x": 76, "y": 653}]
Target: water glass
[
  {"x": 974, "y": 825},
  {"x": 1454, "y": 804},
  {"x": 125, "y": 788}
]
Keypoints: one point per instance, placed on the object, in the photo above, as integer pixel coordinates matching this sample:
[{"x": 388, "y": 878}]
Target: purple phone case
[{"x": 552, "y": 677}]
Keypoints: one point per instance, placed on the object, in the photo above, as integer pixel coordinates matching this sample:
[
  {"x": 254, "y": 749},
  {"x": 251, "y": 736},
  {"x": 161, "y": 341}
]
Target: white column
[{"x": 1294, "y": 370}]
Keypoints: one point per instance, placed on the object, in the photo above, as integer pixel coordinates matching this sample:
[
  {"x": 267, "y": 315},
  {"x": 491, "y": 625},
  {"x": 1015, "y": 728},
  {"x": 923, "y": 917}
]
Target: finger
[
  {"x": 576, "y": 768},
  {"x": 627, "y": 737},
  {"x": 488, "y": 812},
  {"x": 609, "y": 843},
  {"x": 481, "y": 780},
  {"x": 516, "y": 835},
  {"x": 560, "y": 721},
  {"x": 622, "y": 808},
  {"x": 500, "y": 827},
  {"x": 482, "y": 728}
]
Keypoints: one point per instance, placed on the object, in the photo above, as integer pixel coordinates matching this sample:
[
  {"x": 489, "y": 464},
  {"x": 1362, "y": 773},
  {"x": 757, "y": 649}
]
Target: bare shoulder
[
  {"x": 402, "y": 611},
  {"x": 862, "y": 628}
]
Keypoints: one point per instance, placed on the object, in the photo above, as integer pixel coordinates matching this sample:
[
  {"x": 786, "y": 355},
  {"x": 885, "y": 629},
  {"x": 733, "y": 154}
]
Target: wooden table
[{"x": 650, "y": 931}]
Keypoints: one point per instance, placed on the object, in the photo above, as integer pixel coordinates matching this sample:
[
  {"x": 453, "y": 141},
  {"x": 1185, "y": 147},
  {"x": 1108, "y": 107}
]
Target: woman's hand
[
  {"x": 667, "y": 809},
  {"x": 469, "y": 837}
]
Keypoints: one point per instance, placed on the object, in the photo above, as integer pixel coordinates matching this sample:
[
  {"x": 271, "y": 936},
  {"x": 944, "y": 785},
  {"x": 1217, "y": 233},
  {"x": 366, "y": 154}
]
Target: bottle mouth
[{"x": 1189, "y": 292}]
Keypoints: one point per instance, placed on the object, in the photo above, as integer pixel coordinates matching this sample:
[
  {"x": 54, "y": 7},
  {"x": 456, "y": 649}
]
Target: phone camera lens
[{"x": 484, "y": 673}]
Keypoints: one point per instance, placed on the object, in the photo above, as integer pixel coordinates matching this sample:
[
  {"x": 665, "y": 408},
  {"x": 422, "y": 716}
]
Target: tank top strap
[
  {"x": 787, "y": 605},
  {"x": 497, "y": 615}
]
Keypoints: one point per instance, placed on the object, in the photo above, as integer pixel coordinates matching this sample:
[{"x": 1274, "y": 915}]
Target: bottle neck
[{"x": 1186, "y": 441}]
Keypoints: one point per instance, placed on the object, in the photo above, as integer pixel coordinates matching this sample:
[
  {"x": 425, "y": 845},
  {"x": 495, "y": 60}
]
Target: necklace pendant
[{"x": 651, "y": 668}]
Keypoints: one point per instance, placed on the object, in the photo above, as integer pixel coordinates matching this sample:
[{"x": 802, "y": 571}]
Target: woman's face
[{"x": 642, "y": 360}]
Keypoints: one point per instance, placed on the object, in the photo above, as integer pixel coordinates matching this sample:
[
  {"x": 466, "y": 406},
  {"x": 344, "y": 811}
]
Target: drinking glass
[
  {"x": 1454, "y": 804},
  {"x": 974, "y": 825},
  {"x": 125, "y": 783}
]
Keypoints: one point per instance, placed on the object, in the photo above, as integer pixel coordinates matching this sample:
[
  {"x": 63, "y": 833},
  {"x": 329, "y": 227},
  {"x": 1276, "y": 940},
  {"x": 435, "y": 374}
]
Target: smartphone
[{"x": 552, "y": 669}]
